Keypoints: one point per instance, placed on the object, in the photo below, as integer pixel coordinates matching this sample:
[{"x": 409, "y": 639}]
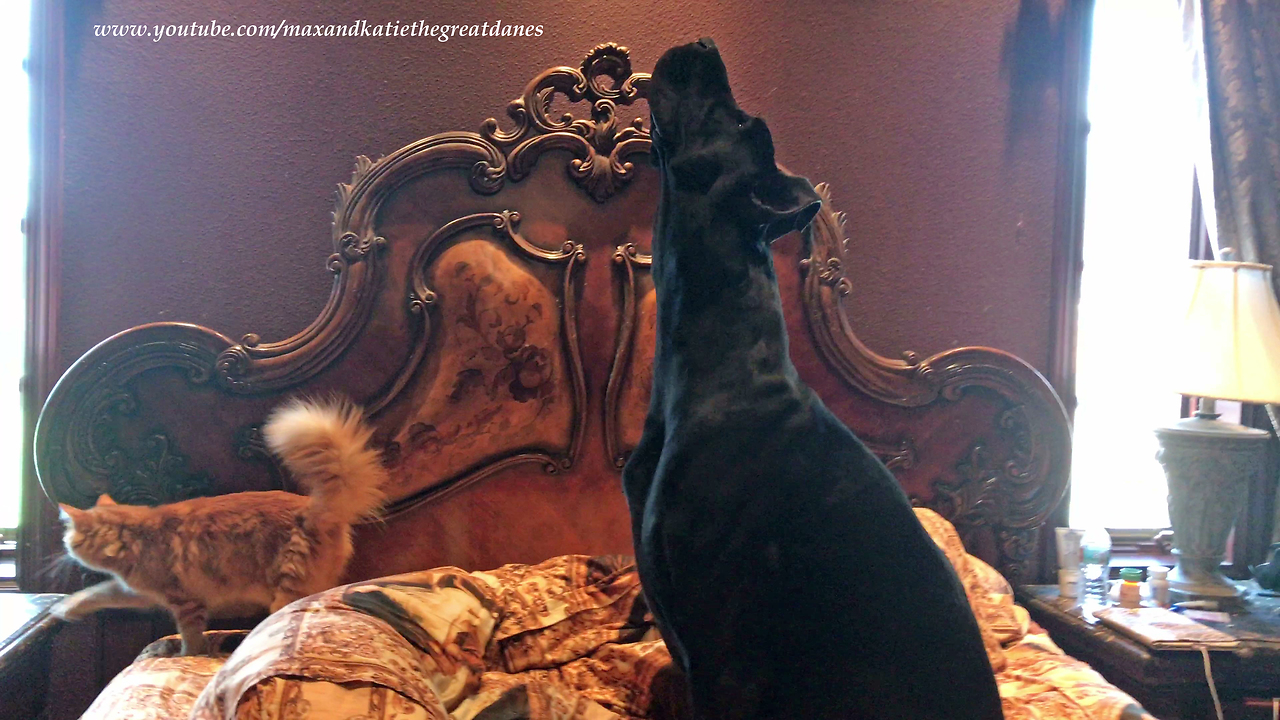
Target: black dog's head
[{"x": 706, "y": 145}]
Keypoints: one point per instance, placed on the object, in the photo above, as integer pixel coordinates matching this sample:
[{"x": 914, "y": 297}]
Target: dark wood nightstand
[
  {"x": 1171, "y": 684},
  {"x": 26, "y": 633}
]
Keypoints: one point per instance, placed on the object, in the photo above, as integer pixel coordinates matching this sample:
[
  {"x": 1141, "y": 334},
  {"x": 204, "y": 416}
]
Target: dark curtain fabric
[
  {"x": 1242, "y": 77},
  {"x": 1239, "y": 41}
]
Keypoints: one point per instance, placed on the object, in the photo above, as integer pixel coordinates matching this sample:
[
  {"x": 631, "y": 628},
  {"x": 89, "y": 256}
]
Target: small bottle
[
  {"x": 1069, "y": 582},
  {"x": 1095, "y": 559},
  {"x": 1130, "y": 588},
  {"x": 1158, "y": 582}
]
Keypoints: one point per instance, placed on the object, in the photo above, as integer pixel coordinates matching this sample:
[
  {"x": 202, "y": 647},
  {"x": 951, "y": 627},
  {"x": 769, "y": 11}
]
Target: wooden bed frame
[{"x": 492, "y": 309}]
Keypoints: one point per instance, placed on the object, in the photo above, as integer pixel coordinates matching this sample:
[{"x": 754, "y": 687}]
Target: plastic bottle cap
[
  {"x": 1131, "y": 575},
  {"x": 1158, "y": 572}
]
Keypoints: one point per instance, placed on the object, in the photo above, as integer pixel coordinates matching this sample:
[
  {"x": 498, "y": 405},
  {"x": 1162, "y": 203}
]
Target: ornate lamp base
[
  {"x": 1209, "y": 465},
  {"x": 1195, "y": 578}
]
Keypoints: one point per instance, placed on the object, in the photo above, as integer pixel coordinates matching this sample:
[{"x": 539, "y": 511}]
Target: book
[{"x": 1162, "y": 629}]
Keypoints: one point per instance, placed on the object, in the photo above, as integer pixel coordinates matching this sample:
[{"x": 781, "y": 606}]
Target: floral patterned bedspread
[{"x": 570, "y": 638}]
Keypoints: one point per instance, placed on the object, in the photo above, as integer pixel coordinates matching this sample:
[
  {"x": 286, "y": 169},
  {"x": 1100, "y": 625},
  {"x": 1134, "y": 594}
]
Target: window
[
  {"x": 1137, "y": 230},
  {"x": 15, "y": 25}
]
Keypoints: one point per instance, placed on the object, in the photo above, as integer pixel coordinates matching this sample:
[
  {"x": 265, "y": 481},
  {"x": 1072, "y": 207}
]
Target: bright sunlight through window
[
  {"x": 15, "y": 25},
  {"x": 1137, "y": 230}
]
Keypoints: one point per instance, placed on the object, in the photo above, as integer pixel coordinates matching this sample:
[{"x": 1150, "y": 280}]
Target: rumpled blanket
[{"x": 569, "y": 638}]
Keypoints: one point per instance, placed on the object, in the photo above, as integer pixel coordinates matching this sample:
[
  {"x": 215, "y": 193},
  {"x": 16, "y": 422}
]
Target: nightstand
[
  {"x": 1171, "y": 684},
  {"x": 26, "y": 632}
]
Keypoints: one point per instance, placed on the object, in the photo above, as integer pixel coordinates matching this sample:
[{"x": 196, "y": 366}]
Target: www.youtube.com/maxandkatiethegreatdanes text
[{"x": 286, "y": 29}]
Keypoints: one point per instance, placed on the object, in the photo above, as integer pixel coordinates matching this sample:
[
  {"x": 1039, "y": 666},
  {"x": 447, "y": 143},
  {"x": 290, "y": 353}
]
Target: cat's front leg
[
  {"x": 192, "y": 618},
  {"x": 109, "y": 594}
]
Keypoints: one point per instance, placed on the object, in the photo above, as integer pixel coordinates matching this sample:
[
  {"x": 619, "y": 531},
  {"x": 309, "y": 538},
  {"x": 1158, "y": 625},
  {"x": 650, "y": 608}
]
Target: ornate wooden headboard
[{"x": 495, "y": 314}]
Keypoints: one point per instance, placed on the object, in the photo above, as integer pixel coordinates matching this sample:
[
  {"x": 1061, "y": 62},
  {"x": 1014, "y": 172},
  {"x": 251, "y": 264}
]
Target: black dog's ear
[{"x": 782, "y": 202}]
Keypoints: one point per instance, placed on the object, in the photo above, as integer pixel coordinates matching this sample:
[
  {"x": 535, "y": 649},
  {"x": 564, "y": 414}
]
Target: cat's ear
[
  {"x": 69, "y": 514},
  {"x": 105, "y": 499}
]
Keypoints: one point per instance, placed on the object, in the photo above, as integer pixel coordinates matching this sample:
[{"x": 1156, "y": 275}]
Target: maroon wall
[{"x": 199, "y": 172}]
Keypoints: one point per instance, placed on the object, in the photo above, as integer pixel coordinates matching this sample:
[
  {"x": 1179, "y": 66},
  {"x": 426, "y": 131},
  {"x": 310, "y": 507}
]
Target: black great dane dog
[{"x": 782, "y": 560}]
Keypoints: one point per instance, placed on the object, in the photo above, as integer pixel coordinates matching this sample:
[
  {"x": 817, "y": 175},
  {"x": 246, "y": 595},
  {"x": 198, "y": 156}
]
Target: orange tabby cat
[{"x": 237, "y": 552}]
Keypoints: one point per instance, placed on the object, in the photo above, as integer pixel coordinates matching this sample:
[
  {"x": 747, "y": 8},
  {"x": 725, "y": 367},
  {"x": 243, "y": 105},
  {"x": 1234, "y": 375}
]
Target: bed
[{"x": 492, "y": 309}]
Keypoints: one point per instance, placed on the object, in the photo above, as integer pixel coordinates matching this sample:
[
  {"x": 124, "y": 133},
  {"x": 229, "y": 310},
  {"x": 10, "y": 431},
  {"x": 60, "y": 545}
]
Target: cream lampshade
[
  {"x": 1228, "y": 349},
  {"x": 1232, "y": 333}
]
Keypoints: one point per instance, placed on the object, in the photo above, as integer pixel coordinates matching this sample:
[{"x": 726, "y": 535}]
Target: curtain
[
  {"x": 1235, "y": 46},
  {"x": 1241, "y": 49}
]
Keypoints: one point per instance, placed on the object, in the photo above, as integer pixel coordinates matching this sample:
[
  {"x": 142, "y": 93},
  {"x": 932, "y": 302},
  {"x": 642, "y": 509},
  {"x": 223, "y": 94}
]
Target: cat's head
[{"x": 98, "y": 537}]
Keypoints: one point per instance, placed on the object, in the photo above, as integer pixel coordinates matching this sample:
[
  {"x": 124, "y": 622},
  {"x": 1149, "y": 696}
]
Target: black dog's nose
[
  {"x": 693, "y": 74},
  {"x": 695, "y": 67}
]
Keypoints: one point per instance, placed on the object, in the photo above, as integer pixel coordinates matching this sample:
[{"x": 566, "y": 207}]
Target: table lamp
[{"x": 1229, "y": 349}]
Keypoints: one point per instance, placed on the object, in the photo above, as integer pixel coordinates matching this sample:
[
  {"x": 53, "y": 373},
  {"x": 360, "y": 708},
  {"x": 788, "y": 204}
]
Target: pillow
[
  {"x": 993, "y": 603},
  {"x": 945, "y": 535},
  {"x": 162, "y": 683},
  {"x": 286, "y": 697}
]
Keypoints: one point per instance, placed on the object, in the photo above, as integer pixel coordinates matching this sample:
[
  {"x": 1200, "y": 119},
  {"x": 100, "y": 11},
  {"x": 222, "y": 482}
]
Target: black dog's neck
[
  {"x": 721, "y": 334},
  {"x": 721, "y": 326}
]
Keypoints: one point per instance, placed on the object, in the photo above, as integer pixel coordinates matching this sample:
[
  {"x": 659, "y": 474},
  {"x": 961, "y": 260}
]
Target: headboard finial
[{"x": 601, "y": 151}]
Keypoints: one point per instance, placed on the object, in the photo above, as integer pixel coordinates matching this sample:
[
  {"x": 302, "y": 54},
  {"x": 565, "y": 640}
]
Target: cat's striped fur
[{"x": 241, "y": 552}]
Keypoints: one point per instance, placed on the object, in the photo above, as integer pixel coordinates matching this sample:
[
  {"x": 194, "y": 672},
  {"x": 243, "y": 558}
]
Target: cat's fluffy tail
[{"x": 325, "y": 445}]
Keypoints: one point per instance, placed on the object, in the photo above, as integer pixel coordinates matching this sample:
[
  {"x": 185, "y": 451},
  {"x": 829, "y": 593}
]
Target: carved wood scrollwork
[
  {"x": 906, "y": 382},
  {"x": 420, "y": 300},
  {"x": 601, "y": 164},
  {"x": 1012, "y": 491},
  {"x": 896, "y": 456},
  {"x": 76, "y": 440},
  {"x": 630, "y": 259},
  {"x": 250, "y": 445}
]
